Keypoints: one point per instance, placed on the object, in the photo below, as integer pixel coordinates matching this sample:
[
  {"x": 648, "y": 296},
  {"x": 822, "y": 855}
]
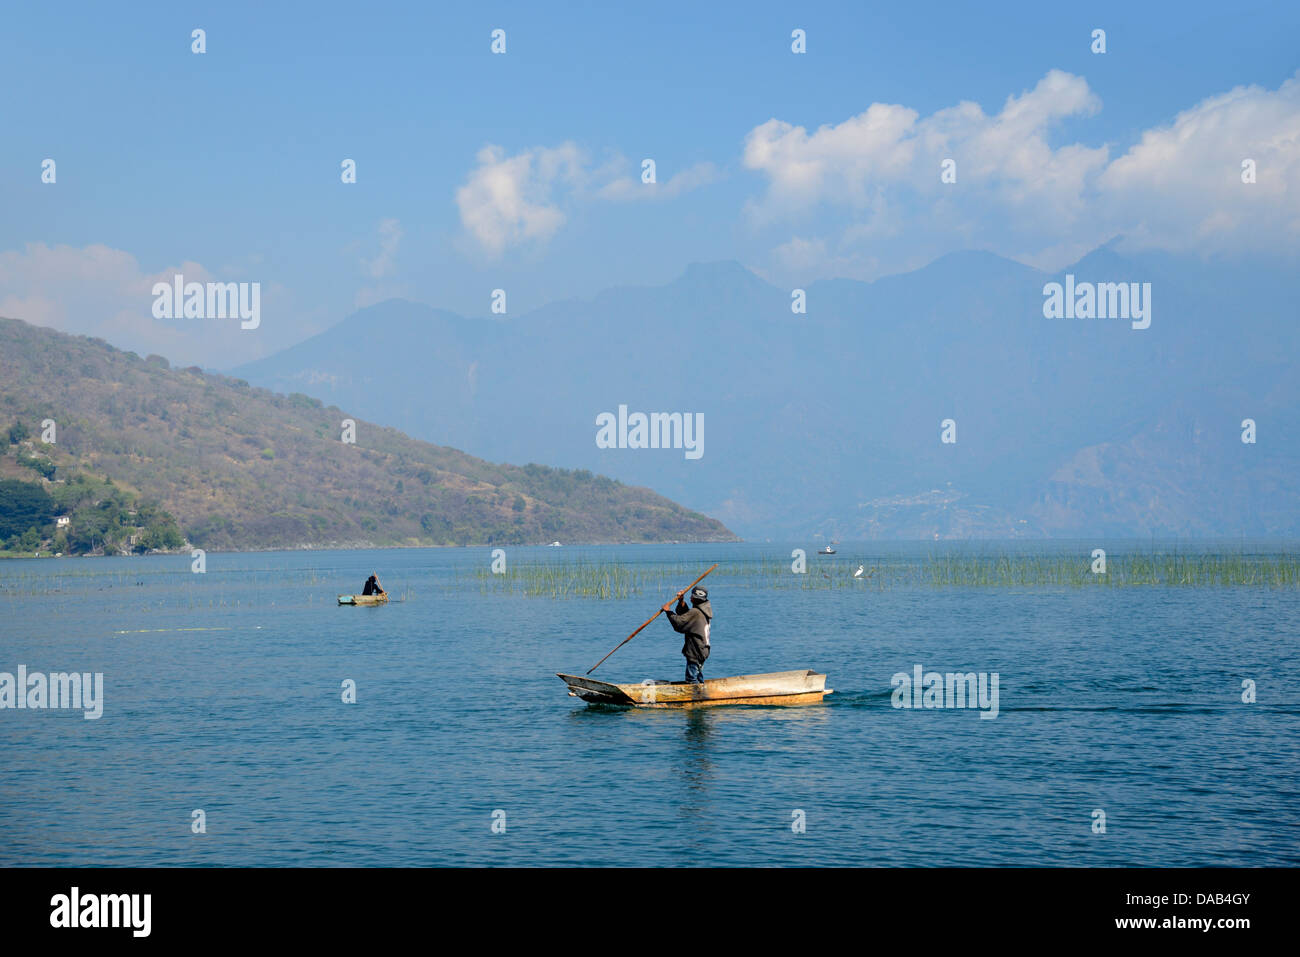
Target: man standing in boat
[
  {"x": 372, "y": 586},
  {"x": 694, "y": 624}
]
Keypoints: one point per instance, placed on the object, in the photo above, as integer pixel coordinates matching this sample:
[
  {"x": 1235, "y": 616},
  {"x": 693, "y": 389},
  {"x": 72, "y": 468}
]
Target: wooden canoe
[
  {"x": 363, "y": 599},
  {"x": 778, "y": 688}
]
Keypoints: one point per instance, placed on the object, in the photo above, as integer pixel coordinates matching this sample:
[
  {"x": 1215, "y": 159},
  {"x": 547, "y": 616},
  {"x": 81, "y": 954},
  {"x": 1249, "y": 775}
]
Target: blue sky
[{"x": 227, "y": 163}]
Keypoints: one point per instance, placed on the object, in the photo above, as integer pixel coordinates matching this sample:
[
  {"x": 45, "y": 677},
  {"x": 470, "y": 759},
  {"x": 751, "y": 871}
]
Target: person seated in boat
[
  {"x": 372, "y": 586},
  {"x": 693, "y": 622}
]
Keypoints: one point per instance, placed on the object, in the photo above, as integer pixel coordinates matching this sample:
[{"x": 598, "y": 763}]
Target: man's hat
[{"x": 699, "y": 594}]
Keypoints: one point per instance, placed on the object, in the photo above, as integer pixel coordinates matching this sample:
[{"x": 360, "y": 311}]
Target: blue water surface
[{"x": 223, "y": 693}]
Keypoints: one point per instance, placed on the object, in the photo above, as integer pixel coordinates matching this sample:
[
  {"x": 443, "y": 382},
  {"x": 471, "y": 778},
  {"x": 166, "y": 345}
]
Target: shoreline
[
  {"x": 847, "y": 548},
  {"x": 355, "y": 547}
]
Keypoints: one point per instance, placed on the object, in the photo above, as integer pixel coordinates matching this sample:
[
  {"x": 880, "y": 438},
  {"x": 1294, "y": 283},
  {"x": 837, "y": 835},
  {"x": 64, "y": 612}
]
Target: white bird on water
[{"x": 858, "y": 573}]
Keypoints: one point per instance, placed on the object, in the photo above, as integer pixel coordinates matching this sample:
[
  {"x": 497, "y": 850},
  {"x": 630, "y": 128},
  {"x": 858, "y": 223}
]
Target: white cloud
[
  {"x": 1181, "y": 187},
  {"x": 887, "y": 147},
  {"x": 390, "y": 237},
  {"x": 99, "y": 291},
  {"x": 800, "y": 253},
  {"x": 800, "y": 257},
  {"x": 512, "y": 200},
  {"x": 509, "y": 200},
  {"x": 630, "y": 188},
  {"x": 845, "y": 160},
  {"x": 875, "y": 176}
]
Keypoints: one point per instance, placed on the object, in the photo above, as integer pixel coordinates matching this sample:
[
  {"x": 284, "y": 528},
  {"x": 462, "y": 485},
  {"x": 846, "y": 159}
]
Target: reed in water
[{"x": 612, "y": 580}]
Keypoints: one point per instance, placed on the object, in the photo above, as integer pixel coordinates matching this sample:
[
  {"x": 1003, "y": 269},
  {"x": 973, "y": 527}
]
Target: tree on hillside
[
  {"x": 37, "y": 464},
  {"x": 23, "y": 505}
]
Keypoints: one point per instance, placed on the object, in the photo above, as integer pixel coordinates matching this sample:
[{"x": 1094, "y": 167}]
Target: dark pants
[{"x": 694, "y": 672}]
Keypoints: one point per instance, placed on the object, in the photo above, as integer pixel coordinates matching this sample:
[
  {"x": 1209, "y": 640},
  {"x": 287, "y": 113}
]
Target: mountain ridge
[
  {"x": 246, "y": 468},
  {"x": 810, "y": 415}
]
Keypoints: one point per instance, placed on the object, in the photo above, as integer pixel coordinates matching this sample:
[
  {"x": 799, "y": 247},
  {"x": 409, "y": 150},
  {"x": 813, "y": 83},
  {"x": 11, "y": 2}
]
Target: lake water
[{"x": 222, "y": 692}]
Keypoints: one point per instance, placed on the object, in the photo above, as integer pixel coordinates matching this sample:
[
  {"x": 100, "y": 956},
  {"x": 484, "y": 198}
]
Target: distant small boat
[
  {"x": 826, "y": 551},
  {"x": 554, "y": 545},
  {"x": 777, "y": 688},
  {"x": 363, "y": 599}
]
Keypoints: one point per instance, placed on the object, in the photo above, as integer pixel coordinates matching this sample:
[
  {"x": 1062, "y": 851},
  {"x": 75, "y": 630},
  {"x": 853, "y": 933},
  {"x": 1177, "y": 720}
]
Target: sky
[{"x": 522, "y": 170}]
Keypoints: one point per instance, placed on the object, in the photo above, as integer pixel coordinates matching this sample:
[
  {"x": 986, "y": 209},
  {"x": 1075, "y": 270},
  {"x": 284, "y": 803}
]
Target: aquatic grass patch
[
  {"x": 956, "y": 569},
  {"x": 604, "y": 580},
  {"x": 1153, "y": 569},
  {"x": 31, "y": 585}
]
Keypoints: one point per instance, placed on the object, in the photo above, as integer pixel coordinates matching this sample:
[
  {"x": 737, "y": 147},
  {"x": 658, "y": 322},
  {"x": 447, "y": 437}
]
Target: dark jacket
[
  {"x": 372, "y": 587},
  {"x": 694, "y": 624}
]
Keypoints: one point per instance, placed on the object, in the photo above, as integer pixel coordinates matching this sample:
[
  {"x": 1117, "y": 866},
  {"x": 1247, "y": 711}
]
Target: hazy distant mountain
[
  {"x": 240, "y": 467},
  {"x": 829, "y": 422}
]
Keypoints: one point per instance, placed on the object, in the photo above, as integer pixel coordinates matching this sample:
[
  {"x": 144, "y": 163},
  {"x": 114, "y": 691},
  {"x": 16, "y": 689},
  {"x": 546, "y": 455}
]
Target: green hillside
[{"x": 243, "y": 468}]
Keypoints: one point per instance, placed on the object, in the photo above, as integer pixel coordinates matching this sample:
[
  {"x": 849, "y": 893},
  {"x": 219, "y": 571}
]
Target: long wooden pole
[{"x": 648, "y": 620}]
